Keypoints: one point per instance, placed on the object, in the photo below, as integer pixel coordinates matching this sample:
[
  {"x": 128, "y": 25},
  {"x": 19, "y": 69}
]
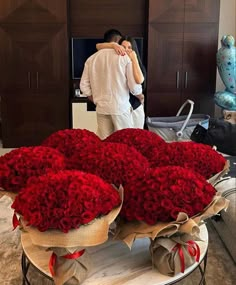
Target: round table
[{"x": 115, "y": 264}]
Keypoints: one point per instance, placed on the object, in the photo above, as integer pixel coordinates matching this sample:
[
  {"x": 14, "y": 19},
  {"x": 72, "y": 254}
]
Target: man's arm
[
  {"x": 85, "y": 85},
  {"x": 118, "y": 48}
]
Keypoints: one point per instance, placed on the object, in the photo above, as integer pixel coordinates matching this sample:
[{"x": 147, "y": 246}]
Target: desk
[{"x": 115, "y": 264}]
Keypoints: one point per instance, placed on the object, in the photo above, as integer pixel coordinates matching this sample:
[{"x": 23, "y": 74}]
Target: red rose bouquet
[
  {"x": 168, "y": 203},
  {"x": 143, "y": 140},
  {"x": 23, "y": 163},
  {"x": 66, "y": 212},
  {"x": 116, "y": 163},
  {"x": 201, "y": 158},
  {"x": 66, "y": 140},
  {"x": 161, "y": 193},
  {"x": 65, "y": 200}
]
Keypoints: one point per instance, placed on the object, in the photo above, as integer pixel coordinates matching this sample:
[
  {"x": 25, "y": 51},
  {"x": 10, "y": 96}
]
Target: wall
[{"x": 227, "y": 26}]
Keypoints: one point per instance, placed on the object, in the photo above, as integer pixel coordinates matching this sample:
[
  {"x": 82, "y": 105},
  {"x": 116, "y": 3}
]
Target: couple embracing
[{"x": 112, "y": 79}]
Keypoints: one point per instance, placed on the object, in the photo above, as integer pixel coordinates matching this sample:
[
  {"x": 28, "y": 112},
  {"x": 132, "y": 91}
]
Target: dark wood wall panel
[
  {"x": 40, "y": 11},
  {"x": 90, "y": 18},
  {"x": 190, "y": 11}
]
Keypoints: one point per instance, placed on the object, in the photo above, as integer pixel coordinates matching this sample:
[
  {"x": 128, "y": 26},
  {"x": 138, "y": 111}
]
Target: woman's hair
[{"x": 135, "y": 48}]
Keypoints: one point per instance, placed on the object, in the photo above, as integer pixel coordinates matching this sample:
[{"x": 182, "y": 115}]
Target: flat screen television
[{"x": 82, "y": 48}]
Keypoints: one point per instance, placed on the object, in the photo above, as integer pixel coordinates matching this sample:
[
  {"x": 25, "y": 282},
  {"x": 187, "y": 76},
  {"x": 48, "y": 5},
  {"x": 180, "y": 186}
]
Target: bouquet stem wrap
[
  {"x": 69, "y": 265},
  {"x": 165, "y": 236},
  {"x": 173, "y": 255}
]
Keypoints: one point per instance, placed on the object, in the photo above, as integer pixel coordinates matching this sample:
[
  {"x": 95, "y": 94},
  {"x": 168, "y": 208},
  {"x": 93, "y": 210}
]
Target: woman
[{"x": 127, "y": 45}]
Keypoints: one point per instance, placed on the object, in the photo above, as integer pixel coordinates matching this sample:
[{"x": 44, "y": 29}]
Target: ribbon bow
[
  {"x": 53, "y": 259},
  {"x": 193, "y": 250}
]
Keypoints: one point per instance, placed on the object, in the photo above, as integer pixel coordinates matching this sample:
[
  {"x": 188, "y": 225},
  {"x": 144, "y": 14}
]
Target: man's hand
[{"x": 120, "y": 50}]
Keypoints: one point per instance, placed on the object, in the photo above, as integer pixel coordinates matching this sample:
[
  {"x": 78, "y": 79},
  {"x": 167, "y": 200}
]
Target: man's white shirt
[{"x": 109, "y": 78}]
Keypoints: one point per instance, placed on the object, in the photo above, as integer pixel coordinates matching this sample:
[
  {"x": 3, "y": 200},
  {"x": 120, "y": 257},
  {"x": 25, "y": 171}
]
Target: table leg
[
  {"x": 25, "y": 267},
  {"x": 203, "y": 270}
]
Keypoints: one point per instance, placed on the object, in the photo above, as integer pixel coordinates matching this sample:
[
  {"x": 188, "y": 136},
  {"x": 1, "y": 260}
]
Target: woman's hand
[
  {"x": 141, "y": 98},
  {"x": 132, "y": 54}
]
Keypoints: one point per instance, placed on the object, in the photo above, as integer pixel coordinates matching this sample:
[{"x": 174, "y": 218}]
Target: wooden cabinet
[
  {"x": 182, "y": 46},
  {"x": 34, "y": 70}
]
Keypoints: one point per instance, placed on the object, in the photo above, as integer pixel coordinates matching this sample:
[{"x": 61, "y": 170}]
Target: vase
[{"x": 226, "y": 63}]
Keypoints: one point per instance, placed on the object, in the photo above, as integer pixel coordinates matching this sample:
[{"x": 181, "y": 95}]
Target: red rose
[
  {"x": 143, "y": 140},
  {"x": 161, "y": 193},
  {"x": 201, "y": 158},
  {"x": 25, "y": 163},
  {"x": 65, "y": 200},
  {"x": 66, "y": 140},
  {"x": 114, "y": 162}
]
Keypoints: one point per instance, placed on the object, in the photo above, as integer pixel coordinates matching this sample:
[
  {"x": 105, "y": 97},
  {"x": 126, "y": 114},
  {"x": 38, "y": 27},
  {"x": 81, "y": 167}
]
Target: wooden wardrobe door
[
  {"x": 35, "y": 70},
  {"x": 164, "y": 68}
]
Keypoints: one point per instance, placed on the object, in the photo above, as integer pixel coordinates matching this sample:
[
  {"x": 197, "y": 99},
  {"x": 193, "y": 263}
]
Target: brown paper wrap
[
  {"x": 129, "y": 231},
  {"x": 220, "y": 174},
  {"x": 70, "y": 271},
  {"x": 73, "y": 271},
  {"x": 12, "y": 195},
  {"x": 168, "y": 261}
]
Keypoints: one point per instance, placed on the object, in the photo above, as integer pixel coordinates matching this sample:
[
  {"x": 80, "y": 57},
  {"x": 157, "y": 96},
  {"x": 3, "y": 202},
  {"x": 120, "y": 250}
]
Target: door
[
  {"x": 34, "y": 71},
  {"x": 182, "y": 43},
  {"x": 164, "y": 74}
]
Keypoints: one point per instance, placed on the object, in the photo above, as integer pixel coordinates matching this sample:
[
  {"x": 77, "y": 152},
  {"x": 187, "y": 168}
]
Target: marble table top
[{"x": 115, "y": 264}]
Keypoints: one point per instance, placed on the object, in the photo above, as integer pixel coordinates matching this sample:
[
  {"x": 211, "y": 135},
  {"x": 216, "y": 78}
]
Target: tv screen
[{"x": 82, "y": 48}]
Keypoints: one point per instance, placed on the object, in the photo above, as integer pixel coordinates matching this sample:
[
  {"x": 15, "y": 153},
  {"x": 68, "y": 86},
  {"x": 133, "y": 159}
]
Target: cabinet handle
[
  {"x": 37, "y": 79},
  {"x": 186, "y": 79},
  {"x": 177, "y": 79},
  {"x": 29, "y": 81}
]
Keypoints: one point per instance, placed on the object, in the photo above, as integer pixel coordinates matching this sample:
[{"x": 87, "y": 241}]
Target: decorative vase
[{"x": 226, "y": 63}]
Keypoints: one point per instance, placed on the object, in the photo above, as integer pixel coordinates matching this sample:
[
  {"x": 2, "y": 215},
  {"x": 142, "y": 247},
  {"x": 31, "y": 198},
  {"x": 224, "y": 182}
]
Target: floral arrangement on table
[
  {"x": 67, "y": 212},
  {"x": 201, "y": 158},
  {"x": 66, "y": 140},
  {"x": 17, "y": 166},
  {"x": 166, "y": 194},
  {"x": 116, "y": 163},
  {"x": 143, "y": 140},
  {"x": 167, "y": 204},
  {"x": 162, "y": 193}
]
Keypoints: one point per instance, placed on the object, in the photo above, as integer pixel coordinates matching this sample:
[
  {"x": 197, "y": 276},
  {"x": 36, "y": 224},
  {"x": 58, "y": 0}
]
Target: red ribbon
[
  {"x": 178, "y": 248},
  {"x": 52, "y": 262},
  {"x": 193, "y": 249},
  {"x": 74, "y": 255},
  {"x": 15, "y": 221},
  {"x": 53, "y": 259}
]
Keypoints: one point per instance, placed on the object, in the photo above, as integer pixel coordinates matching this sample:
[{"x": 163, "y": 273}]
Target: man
[{"x": 107, "y": 80}]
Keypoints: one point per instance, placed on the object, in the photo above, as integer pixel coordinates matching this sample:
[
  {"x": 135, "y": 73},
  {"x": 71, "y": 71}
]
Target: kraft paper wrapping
[
  {"x": 73, "y": 271},
  {"x": 129, "y": 231},
  {"x": 218, "y": 175},
  {"x": 12, "y": 195},
  {"x": 168, "y": 261}
]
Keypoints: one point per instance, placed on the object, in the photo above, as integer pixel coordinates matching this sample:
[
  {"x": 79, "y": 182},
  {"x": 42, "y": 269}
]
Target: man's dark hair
[{"x": 112, "y": 35}]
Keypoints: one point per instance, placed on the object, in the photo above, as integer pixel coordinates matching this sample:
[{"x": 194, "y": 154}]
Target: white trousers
[
  {"x": 107, "y": 124},
  {"x": 138, "y": 117}
]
